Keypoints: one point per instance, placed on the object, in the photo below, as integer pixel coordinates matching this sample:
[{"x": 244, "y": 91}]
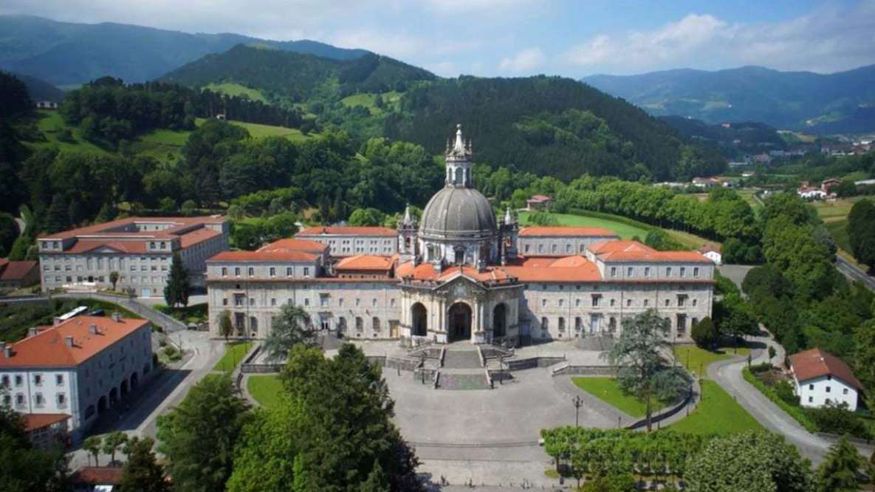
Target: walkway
[{"x": 728, "y": 375}]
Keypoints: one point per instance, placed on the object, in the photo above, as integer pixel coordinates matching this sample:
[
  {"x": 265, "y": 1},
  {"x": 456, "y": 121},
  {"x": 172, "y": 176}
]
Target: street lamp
[{"x": 577, "y": 402}]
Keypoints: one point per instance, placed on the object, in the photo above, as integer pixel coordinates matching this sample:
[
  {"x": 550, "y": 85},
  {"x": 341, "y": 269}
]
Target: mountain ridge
[{"x": 822, "y": 103}]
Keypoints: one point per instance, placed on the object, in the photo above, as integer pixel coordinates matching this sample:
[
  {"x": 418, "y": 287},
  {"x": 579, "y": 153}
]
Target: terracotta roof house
[
  {"x": 17, "y": 274},
  {"x": 79, "y": 367},
  {"x": 538, "y": 202},
  {"x": 139, "y": 249},
  {"x": 822, "y": 379}
]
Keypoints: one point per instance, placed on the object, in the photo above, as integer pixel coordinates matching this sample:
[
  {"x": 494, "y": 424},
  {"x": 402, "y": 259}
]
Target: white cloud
[
  {"x": 465, "y": 6},
  {"x": 825, "y": 40},
  {"x": 523, "y": 62}
]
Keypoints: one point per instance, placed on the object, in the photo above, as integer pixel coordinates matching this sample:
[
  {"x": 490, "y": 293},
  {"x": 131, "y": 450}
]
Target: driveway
[{"x": 727, "y": 374}]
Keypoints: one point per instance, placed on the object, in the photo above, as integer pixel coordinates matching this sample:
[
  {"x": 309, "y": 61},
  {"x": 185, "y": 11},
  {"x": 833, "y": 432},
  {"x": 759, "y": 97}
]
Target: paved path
[
  {"x": 852, "y": 272},
  {"x": 727, "y": 374}
]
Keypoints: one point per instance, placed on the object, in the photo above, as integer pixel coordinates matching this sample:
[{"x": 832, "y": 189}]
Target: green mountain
[
  {"x": 66, "y": 53},
  {"x": 732, "y": 140},
  {"x": 40, "y": 90},
  {"x": 285, "y": 75},
  {"x": 831, "y": 103}
]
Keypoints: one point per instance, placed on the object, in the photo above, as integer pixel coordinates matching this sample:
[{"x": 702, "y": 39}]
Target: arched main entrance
[
  {"x": 459, "y": 322},
  {"x": 499, "y": 321},
  {"x": 419, "y": 320}
]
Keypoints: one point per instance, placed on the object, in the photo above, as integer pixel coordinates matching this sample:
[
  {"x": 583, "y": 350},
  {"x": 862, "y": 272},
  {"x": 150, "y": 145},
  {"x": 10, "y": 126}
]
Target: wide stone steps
[
  {"x": 462, "y": 359},
  {"x": 463, "y": 381}
]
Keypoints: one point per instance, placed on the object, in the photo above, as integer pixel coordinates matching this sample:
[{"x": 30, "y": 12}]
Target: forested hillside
[
  {"x": 296, "y": 77},
  {"x": 550, "y": 126}
]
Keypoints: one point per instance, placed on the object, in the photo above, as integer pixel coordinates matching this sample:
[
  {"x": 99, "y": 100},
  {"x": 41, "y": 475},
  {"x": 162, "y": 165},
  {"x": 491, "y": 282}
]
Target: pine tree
[
  {"x": 57, "y": 218},
  {"x": 178, "y": 285},
  {"x": 142, "y": 472},
  {"x": 838, "y": 472},
  {"x": 377, "y": 481}
]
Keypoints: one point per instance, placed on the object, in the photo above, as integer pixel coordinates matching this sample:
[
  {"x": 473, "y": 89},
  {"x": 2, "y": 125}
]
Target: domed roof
[{"x": 457, "y": 213}]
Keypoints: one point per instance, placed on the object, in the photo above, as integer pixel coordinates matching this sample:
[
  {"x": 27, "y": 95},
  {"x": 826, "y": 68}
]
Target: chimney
[
  {"x": 68, "y": 340},
  {"x": 116, "y": 316},
  {"x": 32, "y": 331},
  {"x": 56, "y": 321},
  {"x": 7, "y": 351},
  {"x": 92, "y": 328}
]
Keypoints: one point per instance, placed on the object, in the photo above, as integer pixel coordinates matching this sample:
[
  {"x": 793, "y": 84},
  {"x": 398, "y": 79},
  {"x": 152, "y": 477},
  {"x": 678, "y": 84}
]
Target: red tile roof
[
  {"x": 291, "y": 244},
  {"x": 34, "y": 421},
  {"x": 568, "y": 269},
  {"x": 539, "y": 198},
  {"x": 48, "y": 348},
  {"x": 111, "y": 226},
  {"x": 265, "y": 256},
  {"x": 16, "y": 270},
  {"x": 566, "y": 231},
  {"x": 633, "y": 251},
  {"x": 815, "y": 363},
  {"x": 365, "y": 262},
  {"x": 98, "y": 475},
  {"x": 197, "y": 236},
  {"x": 346, "y": 231},
  {"x": 131, "y": 247}
]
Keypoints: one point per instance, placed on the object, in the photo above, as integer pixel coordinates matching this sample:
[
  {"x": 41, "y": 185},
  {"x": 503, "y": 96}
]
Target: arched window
[
  {"x": 376, "y": 323},
  {"x": 561, "y": 323},
  {"x": 578, "y": 323},
  {"x": 545, "y": 323},
  {"x": 419, "y": 320},
  {"x": 499, "y": 320},
  {"x": 459, "y": 176}
]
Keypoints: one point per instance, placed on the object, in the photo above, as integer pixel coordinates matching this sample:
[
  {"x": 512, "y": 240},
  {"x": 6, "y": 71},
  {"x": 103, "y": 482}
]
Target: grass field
[
  {"x": 697, "y": 360},
  {"x": 718, "y": 413},
  {"x": 607, "y": 390},
  {"x": 234, "y": 353},
  {"x": 263, "y": 131},
  {"x": 835, "y": 210},
  {"x": 53, "y": 127},
  {"x": 367, "y": 100},
  {"x": 625, "y": 227},
  {"x": 838, "y": 229},
  {"x": 266, "y": 389},
  {"x": 233, "y": 89}
]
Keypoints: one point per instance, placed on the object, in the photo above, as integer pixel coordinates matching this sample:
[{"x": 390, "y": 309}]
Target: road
[
  {"x": 728, "y": 375},
  {"x": 852, "y": 272}
]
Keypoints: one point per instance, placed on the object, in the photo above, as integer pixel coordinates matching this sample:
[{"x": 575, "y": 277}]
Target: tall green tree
[
  {"x": 178, "y": 284},
  {"x": 199, "y": 435},
  {"x": 93, "y": 445},
  {"x": 861, "y": 231},
  {"x": 112, "y": 442},
  {"x": 226, "y": 326},
  {"x": 752, "y": 461},
  {"x": 142, "y": 472},
  {"x": 24, "y": 467},
  {"x": 838, "y": 472},
  {"x": 638, "y": 355},
  {"x": 290, "y": 327},
  {"x": 704, "y": 333}
]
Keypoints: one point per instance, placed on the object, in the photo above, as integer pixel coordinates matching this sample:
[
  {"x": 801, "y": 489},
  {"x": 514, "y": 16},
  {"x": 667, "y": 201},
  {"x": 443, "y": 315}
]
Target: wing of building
[
  {"x": 461, "y": 273},
  {"x": 138, "y": 249}
]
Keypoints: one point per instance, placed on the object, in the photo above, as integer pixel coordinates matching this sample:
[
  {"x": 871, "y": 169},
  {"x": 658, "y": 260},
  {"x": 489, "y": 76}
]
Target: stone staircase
[
  {"x": 462, "y": 369},
  {"x": 601, "y": 343}
]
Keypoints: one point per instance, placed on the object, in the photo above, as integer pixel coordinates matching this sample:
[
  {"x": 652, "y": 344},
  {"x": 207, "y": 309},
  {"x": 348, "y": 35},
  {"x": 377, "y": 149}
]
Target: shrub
[
  {"x": 837, "y": 419},
  {"x": 704, "y": 333},
  {"x": 760, "y": 368},
  {"x": 785, "y": 391}
]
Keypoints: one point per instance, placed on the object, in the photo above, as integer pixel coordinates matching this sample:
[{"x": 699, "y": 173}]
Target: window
[
  {"x": 595, "y": 300},
  {"x": 272, "y": 271},
  {"x": 828, "y": 389},
  {"x": 38, "y": 379},
  {"x": 561, "y": 324},
  {"x": 845, "y": 391},
  {"x": 306, "y": 302},
  {"x": 646, "y": 302},
  {"x": 59, "y": 379},
  {"x": 323, "y": 300},
  {"x": 251, "y": 301},
  {"x": 5, "y": 381},
  {"x": 561, "y": 302},
  {"x": 359, "y": 323},
  {"x": 340, "y": 302},
  {"x": 613, "y": 271},
  {"x": 646, "y": 271},
  {"x": 19, "y": 400},
  {"x": 545, "y": 323},
  {"x": 39, "y": 401},
  {"x": 288, "y": 271},
  {"x": 374, "y": 302},
  {"x": 810, "y": 399},
  {"x": 543, "y": 302},
  {"x": 668, "y": 271},
  {"x": 811, "y": 386},
  {"x": 628, "y": 302},
  {"x": 62, "y": 400},
  {"x": 629, "y": 271},
  {"x": 613, "y": 301},
  {"x": 237, "y": 271},
  {"x": 695, "y": 302},
  {"x": 667, "y": 302},
  {"x": 273, "y": 301},
  {"x": 306, "y": 271},
  {"x": 695, "y": 271},
  {"x": 682, "y": 299},
  {"x": 250, "y": 271},
  {"x": 225, "y": 301},
  {"x": 683, "y": 271},
  {"x": 376, "y": 323}
]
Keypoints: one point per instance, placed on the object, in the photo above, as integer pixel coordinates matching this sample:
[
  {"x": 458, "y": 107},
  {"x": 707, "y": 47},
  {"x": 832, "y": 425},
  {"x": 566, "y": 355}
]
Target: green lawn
[
  {"x": 234, "y": 353},
  {"x": 233, "y": 89},
  {"x": 367, "y": 100},
  {"x": 838, "y": 229},
  {"x": 52, "y": 126},
  {"x": 625, "y": 227},
  {"x": 262, "y": 131},
  {"x": 697, "y": 360},
  {"x": 607, "y": 390},
  {"x": 624, "y": 230},
  {"x": 266, "y": 389},
  {"x": 718, "y": 413}
]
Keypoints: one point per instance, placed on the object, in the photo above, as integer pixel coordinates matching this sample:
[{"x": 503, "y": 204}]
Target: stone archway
[
  {"x": 459, "y": 318},
  {"x": 499, "y": 321},
  {"x": 419, "y": 320}
]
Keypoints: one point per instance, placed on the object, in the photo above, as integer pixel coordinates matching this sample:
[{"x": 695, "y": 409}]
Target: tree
[
  {"x": 8, "y": 233},
  {"x": 226, "y": 326},
  {"x": 638, "y": 355},
  {"x": 142, "y": 472},
  {"x": 93, "y": 444},
  {"x": 289, "y": 328},
  {"x": 704, "y": 334},
  {"x": 366, "y": 217},
  {"x": 753, "y": 460},
  {"x": 861, "y": 231},
  {"x": 23, "y": 466},
  {"x": 199, "y": 435},
  {"x": 178, "y": 284},
  {"x": 113, "y": 278},
  {"x": 112, "y": 442},
  {"x": 838, "y": 472}
]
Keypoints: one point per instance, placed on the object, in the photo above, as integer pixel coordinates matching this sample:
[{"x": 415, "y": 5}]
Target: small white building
[
  {"x": 822, "y": 378},
  {"x": 79, "y": 367},
  {"x": 712, "y": 253}
]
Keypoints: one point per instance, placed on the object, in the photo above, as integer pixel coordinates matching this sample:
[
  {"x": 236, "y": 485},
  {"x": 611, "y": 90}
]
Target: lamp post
[{"x": 577, "y": 402}]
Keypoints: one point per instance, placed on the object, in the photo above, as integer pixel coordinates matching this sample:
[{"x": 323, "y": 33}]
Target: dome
[{"x": 457, "y": 213}]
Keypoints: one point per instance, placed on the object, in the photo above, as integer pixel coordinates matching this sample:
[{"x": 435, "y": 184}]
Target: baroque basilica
[{"x": 461, "y": 273}]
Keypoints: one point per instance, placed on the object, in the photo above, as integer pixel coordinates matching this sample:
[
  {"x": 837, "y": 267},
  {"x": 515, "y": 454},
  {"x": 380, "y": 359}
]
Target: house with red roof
[
  {"x": 139, "y": 249},
  {"x": 79, "y": 368},
  {"x": 538, "y": 202},
  {"x": 17, "y": 274},
  {"x": 821, "y": 379}
]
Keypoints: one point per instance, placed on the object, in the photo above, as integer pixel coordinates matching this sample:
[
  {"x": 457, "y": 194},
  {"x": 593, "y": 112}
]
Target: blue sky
[{"x": 524, "y": 37}]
